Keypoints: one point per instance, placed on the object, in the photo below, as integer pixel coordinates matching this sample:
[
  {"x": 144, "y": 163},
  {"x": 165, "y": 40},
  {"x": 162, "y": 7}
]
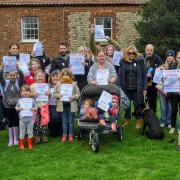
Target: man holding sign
[{"x": 62, "y": 60}]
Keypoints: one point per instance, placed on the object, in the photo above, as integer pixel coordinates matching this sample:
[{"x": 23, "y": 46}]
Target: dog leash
[{"x": 146, "y": 105}]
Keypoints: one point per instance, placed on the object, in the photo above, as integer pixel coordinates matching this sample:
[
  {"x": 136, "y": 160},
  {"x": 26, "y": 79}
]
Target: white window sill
[{"x": 30, "y": 41}]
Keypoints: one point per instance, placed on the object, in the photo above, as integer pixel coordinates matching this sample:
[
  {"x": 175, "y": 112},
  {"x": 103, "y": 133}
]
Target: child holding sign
[
  {"x": 34, "y": 68},
  {"x": 55, "y": 124},
  {"x": 67, "y": 94},
  {"x": 26, "y": 107},
  {"x": 11, "y": 93},
  {"x": 41, "y": 92}
]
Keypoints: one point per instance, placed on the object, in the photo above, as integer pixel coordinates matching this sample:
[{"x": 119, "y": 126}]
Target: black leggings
[
  {"x": 12, "y": 117},
  {"x": 175, "y": 105}
]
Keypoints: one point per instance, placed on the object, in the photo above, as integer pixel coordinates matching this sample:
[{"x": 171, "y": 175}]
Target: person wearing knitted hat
[
  {"x": 113, "y": 112},
  {"x": 165, "y": 105}
]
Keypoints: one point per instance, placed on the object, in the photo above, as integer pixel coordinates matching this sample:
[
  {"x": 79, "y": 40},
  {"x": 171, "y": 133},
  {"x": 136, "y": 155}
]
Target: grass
[{"x": 135, "y": 158}]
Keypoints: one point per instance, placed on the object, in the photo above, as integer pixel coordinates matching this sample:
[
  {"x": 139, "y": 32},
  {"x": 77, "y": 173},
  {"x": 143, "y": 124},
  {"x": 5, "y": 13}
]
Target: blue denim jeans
[
  {"x": 132, "y": 95},
  {"x": 68, "y": 121},
  {"x": 165, "y": 110}
]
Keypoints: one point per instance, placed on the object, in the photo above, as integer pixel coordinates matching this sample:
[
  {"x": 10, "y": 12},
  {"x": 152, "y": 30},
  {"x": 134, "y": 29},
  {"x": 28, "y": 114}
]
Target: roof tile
[{"x": 69, "y": 2}]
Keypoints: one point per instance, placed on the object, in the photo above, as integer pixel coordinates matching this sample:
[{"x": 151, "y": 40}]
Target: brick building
[{"x": 54, "y": 21}]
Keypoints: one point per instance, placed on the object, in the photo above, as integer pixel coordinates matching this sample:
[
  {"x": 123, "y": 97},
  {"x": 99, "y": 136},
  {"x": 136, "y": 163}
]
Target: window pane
[
  {"x": 107, "y": 22},
  {"x": 30, "y": 28},
  {"x": 107, "y": 32},
  {"x": 99, "y": 21}
]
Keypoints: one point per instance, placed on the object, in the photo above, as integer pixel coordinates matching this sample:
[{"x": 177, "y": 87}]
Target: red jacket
[{"x": 30, "y": 79}]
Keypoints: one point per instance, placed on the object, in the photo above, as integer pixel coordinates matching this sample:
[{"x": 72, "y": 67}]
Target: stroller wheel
[
  {"x": 120, "y": 133},
  {"x": 94, "y": 141},
  {"x": 79, "y": 134}
]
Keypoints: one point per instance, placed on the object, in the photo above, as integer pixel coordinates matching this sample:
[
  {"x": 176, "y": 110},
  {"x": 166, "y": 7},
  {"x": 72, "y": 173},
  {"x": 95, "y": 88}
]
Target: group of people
[{"x": 133, "y": 76}]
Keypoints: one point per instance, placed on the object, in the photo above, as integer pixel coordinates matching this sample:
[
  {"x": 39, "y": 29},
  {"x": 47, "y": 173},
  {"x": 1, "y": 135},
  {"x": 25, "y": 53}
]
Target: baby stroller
[{"x": 92, "y": 126}]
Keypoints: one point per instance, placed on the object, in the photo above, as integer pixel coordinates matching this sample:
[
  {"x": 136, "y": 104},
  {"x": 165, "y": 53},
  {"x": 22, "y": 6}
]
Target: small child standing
[
  {"x": 55, "y": 124},
  {"x": 26, "y": 120},
  {"x": 42, "y": 115},
  {"x": 67, "y": 107}
]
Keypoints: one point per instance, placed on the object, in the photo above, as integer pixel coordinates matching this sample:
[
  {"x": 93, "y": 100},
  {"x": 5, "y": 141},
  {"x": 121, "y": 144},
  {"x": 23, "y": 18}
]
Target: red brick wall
[{"x": 53, "y": 24}]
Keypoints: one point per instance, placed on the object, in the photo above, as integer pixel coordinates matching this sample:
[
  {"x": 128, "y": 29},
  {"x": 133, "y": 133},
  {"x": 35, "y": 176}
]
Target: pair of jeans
[
  {"x": 175, "y": 104},
  {"x": 68, "y": 121},
  {"x": 165, "y": 109},
  {"x": 132, "y": 95}
]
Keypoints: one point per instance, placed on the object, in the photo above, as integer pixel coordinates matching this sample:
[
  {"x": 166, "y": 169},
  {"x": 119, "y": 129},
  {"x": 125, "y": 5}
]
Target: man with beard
[
  {"x": 62, "y": 60},
  {"x": 152, "y": 61}
]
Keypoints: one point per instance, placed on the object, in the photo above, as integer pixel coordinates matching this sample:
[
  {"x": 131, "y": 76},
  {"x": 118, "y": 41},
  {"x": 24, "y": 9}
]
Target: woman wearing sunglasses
[{"x": 132, "y": 79}]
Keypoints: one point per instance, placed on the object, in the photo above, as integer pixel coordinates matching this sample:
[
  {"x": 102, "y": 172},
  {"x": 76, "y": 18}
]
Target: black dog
[{"x": 152, "y": 122}]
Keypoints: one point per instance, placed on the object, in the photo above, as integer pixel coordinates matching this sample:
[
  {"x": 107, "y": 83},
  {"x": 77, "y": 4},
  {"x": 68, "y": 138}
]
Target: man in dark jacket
[
  {"x": 62, "y": 60},
  {"x": 152, "y": 61}
]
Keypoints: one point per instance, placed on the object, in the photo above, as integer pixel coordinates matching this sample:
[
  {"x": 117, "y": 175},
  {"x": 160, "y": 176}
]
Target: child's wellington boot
[
  {"x": 30, "y": 143},
  {"x": 22, "y": 144}
]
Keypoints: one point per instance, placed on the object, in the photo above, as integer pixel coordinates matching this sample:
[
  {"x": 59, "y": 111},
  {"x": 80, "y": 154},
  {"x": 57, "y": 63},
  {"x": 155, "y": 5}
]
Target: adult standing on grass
[
  {"x": 152, "y": 61},
  {"x": 62, "y": 60},
  {"x": 174, "y": 97},
  {"x": 132, "y": 79},
  {"x": 165, "y": 105},
  {"x": 102, "y": 65}
]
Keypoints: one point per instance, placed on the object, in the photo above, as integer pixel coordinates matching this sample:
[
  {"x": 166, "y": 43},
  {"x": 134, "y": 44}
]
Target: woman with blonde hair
[{"x": 132, "y": 78}]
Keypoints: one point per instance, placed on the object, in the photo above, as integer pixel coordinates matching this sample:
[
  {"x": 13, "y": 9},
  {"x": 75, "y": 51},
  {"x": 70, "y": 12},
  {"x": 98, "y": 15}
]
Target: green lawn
[{"x": 135, "y": 158}]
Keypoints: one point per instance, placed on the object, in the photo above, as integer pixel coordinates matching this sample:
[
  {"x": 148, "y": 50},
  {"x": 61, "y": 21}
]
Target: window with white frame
[
  {"x": 30, "y": 29},
  {"x": 107, "y": 24}
]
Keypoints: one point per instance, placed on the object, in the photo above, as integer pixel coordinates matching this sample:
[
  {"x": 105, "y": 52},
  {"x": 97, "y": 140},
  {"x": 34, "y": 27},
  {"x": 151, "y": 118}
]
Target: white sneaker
[
  {"x": 172, "y": 130},
  {"x": 162, "y": 125},
  {"x": 169, "y": 126}
]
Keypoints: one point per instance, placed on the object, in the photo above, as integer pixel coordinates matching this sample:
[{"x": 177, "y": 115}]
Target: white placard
[
  {"x": 24, "y": 68},
  {"x": 158, "y": 75},
  {"x": 171, "y": 80},
  {"x": 117, "y": 56},
  {"x": 37, "y": 49},
  {"x": 104, "y": 101},
  {"x": 99, "y": 32},
  {"x": 66, "y": 91},
  {"x": 102, "y": 76},
  {"x": 41, "y": 89},
  {"x": 77, "y": 63},
  {"x": 24, "y": 58},
  {"x": 9, "y": 63},
  {"x": 26, "y": 104}
]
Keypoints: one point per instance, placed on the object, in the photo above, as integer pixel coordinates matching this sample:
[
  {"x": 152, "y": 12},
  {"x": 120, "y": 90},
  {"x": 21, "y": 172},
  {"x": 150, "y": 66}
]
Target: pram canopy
[{"x": 94, "y": 91}]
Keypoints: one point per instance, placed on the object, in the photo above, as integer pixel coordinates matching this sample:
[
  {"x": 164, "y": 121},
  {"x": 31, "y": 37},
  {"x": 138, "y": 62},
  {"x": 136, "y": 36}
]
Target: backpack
[{"x": 11, "y": 94}]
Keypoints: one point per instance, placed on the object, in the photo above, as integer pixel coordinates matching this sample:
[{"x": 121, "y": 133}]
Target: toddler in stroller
[
  {"x": 95, "y": 120},
  {"x": 111, "y": 115}
]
